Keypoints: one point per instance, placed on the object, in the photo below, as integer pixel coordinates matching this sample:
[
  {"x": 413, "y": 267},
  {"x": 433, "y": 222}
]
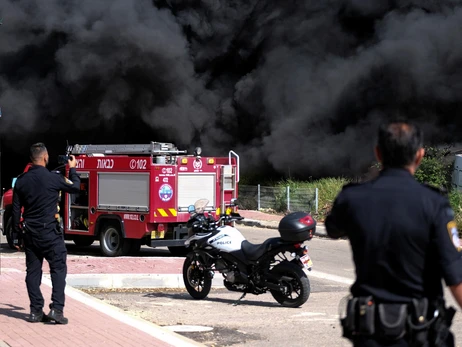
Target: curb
[
  {"x": 129, "y": 281},
  {"x": 156, "y": 331}
]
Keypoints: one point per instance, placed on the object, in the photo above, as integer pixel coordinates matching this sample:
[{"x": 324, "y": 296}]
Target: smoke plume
[{"x": 295, "y": 87}]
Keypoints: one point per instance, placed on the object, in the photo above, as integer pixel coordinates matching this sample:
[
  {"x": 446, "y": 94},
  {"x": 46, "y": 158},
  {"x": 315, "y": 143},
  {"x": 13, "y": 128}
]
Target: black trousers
[{"x": 51, "y": 247}]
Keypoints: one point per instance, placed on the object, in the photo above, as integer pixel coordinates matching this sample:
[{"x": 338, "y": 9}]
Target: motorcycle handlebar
[
  {"x": 209, "y": 223},
  {"x": 228, "y": 218}
]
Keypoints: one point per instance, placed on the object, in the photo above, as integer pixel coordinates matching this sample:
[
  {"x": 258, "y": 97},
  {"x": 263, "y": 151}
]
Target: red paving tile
[
  {"x": 89, "y": 323},
  {"x": 101, "y": 265},
  {"x": 260, "y": 216}
]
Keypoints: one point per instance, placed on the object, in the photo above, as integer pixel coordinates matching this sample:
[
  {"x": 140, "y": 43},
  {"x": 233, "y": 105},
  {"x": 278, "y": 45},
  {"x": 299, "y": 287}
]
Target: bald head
[
  {"x": 399, "y": 144},
  {"x": 39, "y": 154}
]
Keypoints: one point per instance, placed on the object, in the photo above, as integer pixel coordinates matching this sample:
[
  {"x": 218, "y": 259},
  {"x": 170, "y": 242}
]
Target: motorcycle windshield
[{"x": 199, "y": 205}]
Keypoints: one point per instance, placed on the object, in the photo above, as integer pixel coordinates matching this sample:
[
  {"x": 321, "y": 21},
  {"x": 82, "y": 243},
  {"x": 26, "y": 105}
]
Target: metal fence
[{"x": 279, "y": 199}]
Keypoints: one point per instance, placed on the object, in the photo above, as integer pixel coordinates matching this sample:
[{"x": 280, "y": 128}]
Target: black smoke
[{"x": 295, "y": 87}]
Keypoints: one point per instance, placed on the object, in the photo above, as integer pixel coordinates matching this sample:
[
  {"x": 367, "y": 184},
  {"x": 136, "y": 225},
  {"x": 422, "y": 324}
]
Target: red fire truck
[{"x": 133, "y": 195}]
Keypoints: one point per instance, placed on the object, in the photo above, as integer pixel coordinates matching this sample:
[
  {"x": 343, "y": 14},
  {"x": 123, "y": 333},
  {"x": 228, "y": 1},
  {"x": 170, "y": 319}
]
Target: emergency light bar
[{"x": 154, "y": 148}]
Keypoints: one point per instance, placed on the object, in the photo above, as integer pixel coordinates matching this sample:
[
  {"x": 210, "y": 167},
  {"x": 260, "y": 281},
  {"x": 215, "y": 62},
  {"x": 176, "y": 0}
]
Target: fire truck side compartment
[
  {"x": 78, "y": 205},
  {"x": 194, "y": 186},
  {"x": 123, "y": 191}
]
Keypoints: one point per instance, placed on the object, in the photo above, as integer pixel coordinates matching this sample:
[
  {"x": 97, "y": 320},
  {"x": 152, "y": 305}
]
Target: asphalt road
[{"x": 256, "y": 320}]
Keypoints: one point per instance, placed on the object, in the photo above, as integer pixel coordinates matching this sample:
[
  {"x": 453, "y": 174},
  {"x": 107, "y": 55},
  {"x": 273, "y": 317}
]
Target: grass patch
[
  {"x": 328, "y": 189},
  {"x": 436, "y": 169}
]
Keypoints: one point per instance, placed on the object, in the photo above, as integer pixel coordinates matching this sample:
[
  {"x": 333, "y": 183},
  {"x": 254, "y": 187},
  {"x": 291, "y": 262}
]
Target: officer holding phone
[{"x": 37, "y": 191}]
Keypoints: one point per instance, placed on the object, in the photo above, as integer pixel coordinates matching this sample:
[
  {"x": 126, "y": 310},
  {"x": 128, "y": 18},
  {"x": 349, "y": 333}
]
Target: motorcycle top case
[{"x": 297, "y": 226}]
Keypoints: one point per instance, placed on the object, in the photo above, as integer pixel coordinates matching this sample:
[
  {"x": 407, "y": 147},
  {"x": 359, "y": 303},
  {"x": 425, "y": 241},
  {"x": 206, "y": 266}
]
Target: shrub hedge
[{"x": 436, "y": 169}]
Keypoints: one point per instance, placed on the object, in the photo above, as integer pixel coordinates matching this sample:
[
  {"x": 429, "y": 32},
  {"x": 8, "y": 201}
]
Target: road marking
[
  {"x": 317, "y": 316},
  {"x": 310, "y": 314},
  {"x": 329, "y": 277},
  {"x": 7, "y": 269}
]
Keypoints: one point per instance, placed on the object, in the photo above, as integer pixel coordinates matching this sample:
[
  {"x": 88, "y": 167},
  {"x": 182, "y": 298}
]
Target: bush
[
  {"x": 455, "y": 199},
  {"x": 436, "y": 168}
]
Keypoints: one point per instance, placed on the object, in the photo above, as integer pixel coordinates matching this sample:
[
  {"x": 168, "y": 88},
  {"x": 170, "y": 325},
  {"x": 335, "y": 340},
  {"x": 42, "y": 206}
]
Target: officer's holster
[{"x": 421, "y": 322}]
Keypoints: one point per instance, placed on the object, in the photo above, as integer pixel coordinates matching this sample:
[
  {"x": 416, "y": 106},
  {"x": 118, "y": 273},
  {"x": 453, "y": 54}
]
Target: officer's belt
[
  {"x": 419, "y": 321},
  {"x": 29, "y": 227}
]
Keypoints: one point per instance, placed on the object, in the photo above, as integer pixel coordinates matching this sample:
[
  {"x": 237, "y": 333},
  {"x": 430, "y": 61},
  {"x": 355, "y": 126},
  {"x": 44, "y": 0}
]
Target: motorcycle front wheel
[
  {"x": 294, "y": 283},
  {"x": 196, "y": 278}
]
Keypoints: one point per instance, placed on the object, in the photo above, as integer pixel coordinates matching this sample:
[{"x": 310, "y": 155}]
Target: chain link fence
[{"x": 278, "y": 199}]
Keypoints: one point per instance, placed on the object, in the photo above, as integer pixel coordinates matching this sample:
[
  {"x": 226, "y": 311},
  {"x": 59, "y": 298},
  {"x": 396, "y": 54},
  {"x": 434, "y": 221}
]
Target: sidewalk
[
  {"x": 91, "y": 321},
  {"x": 271, "y": 221}
]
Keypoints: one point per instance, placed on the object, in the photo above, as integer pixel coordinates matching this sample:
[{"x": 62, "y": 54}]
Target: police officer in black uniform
[
  {"x": 37, "y": 191},
  {"x": 404, "y": 242}
]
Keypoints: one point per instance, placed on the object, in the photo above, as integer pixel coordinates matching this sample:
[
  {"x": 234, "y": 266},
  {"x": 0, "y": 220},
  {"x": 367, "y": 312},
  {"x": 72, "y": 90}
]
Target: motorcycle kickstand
[{"x": 242, "y": 297}]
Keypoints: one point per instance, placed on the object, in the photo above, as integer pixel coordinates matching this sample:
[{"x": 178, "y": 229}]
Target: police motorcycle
[{"x": 277, "y": 265}]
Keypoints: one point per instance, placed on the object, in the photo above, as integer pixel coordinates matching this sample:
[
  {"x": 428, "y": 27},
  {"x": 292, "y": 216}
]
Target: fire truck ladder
[
  {"x": 229, "y": 177},
  {"x": 153, "y": 148}
]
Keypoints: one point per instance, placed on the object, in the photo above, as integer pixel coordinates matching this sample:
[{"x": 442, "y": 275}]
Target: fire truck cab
[{"x": 133, "y": 195}]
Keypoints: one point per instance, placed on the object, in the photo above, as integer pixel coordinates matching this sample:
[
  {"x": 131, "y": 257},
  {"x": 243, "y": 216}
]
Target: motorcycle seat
[{"x": 253, "y": 252}]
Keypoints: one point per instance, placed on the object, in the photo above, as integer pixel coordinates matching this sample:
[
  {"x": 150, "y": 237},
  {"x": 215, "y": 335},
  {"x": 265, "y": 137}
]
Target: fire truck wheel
[
  {"x": 112, "y": 242},
  {"x": 83, "y": 241},
  {"x": 9, "y": 233}
]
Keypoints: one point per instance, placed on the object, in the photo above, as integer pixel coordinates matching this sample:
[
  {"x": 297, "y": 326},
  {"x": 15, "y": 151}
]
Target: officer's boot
[
  {"x": 36, "y": 317},
  {"x": 57, "y": 316}
]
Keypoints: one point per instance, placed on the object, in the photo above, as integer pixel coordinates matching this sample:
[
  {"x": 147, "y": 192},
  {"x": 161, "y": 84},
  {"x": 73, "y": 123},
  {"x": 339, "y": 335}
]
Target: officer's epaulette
[{"x": 439, "y": 190}]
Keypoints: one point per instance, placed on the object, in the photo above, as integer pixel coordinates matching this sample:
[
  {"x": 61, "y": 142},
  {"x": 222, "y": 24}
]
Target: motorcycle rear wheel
[
  {"x": 297, "y": 285},
  {"x": 196, "y": 278}
]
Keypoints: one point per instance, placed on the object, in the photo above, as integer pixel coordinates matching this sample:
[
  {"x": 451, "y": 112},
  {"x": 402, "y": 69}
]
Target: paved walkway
[
  {"x": 91, "y": 321},
  {"x": 269, "y": 220}
]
